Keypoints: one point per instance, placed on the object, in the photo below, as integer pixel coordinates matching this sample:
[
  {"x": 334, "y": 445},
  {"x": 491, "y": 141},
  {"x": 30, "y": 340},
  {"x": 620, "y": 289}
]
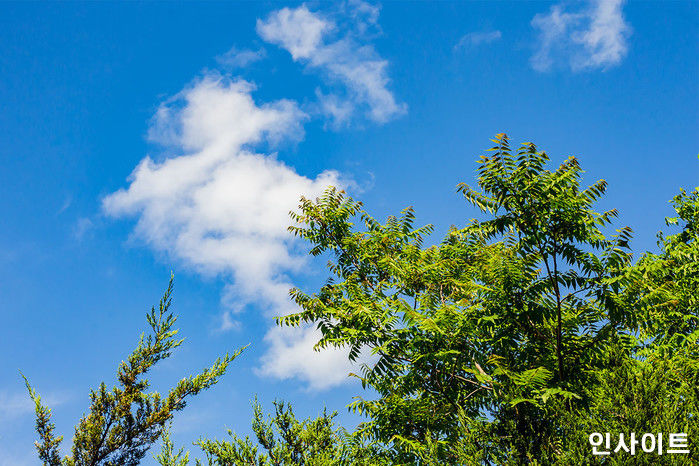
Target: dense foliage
[
  {"x": 510, "y": 341},
  {"x": 518, "y": 335},
  {"x": 656, "y": 390}
]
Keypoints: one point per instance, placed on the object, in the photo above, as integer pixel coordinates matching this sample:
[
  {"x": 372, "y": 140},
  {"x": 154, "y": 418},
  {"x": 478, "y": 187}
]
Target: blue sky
[{"x": 140, "y": 138}]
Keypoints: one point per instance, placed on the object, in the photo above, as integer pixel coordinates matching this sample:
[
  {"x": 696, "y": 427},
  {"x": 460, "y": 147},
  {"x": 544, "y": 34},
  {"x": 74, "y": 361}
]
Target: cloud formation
[
  {"x": 217, "y": 205},
  {"x": 596, "y": 37},
  {"x": 340, "y": 56},
  {"x": 291, "y": 355},
  {"x": 218, "y": 199},
  {"x": 474, "y": 39},
  {"x": 14, "y": 405}
]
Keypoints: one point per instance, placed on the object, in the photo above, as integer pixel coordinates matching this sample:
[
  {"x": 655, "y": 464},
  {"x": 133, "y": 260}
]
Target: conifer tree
[{"x": 124, "y": 421}]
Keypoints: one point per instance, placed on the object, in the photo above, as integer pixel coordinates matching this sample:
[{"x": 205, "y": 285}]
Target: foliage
[
  {"x": 168, "y": 456},
  {"x": 491, "y": 345},
  {"x": 665, "y": 287},
  {"x": 508, "y": 342},
  {"x": 122, "y": 423},
  {"x": 284, "y": 440},
  {"x": 658, "y": 389}
]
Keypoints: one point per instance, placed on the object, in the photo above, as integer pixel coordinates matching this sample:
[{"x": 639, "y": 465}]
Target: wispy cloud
[
  {"x": 240, "y": 58},
  {"x": 474, "y": 39},
  {"x": 291, "y": 355},
  {"x": 215, "y": 203},
  {"x": 16, "y": 404},
  {"x": 66, "y": 204},
  {"x": 594, "y": 37},
  {"x": 341, "y": 55},
  {"x": 82, "y": 227}
]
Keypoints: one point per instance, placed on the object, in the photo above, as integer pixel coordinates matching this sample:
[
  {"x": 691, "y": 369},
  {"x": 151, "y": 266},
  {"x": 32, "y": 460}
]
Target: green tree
[
  {"x": 122, "y": 423},
  {"x": 665, "y": 286},
  {"x": 657, "y": 390},
  {"x": 508, "y": 342},
  {"x": 487, "y": 341}
]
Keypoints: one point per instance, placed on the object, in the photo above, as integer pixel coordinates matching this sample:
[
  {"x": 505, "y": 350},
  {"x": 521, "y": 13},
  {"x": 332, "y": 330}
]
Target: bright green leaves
[
  {"x": 122, "y": 423},
  {"x": 662, "y": 292},
  {"x": 506, "y": 319},
  {"x": 556, "y": 230},
  {"x": 547, "y": 209},
  {"x": 665, "y": 286},
  {"x": 286, "y": 440},
  {"x": 324, "y": 221}
]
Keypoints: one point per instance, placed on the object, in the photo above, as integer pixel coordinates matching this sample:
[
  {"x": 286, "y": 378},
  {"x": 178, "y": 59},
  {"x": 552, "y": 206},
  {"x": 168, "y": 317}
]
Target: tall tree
[{"x": 497, "y": 329}]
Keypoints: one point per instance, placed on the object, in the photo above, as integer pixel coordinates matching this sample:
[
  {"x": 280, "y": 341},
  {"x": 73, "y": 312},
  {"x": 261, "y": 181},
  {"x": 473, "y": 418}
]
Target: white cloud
[
  {"x": 595, "y": 37},
  {"x": 552, "y": 31},
  {"x": 339, "y": 110},
  {"x": 318, "y": 42},
  {"x": 237, "y": 58},
  {"x": 299, "y": 31},
  {"x": 291, "y": 355},
  {"x": 217, "y": 205},
  {"x": 605, "y": 39},
  {"x": 474, "y": 39},
  {"x": 365, "y": 15}
]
